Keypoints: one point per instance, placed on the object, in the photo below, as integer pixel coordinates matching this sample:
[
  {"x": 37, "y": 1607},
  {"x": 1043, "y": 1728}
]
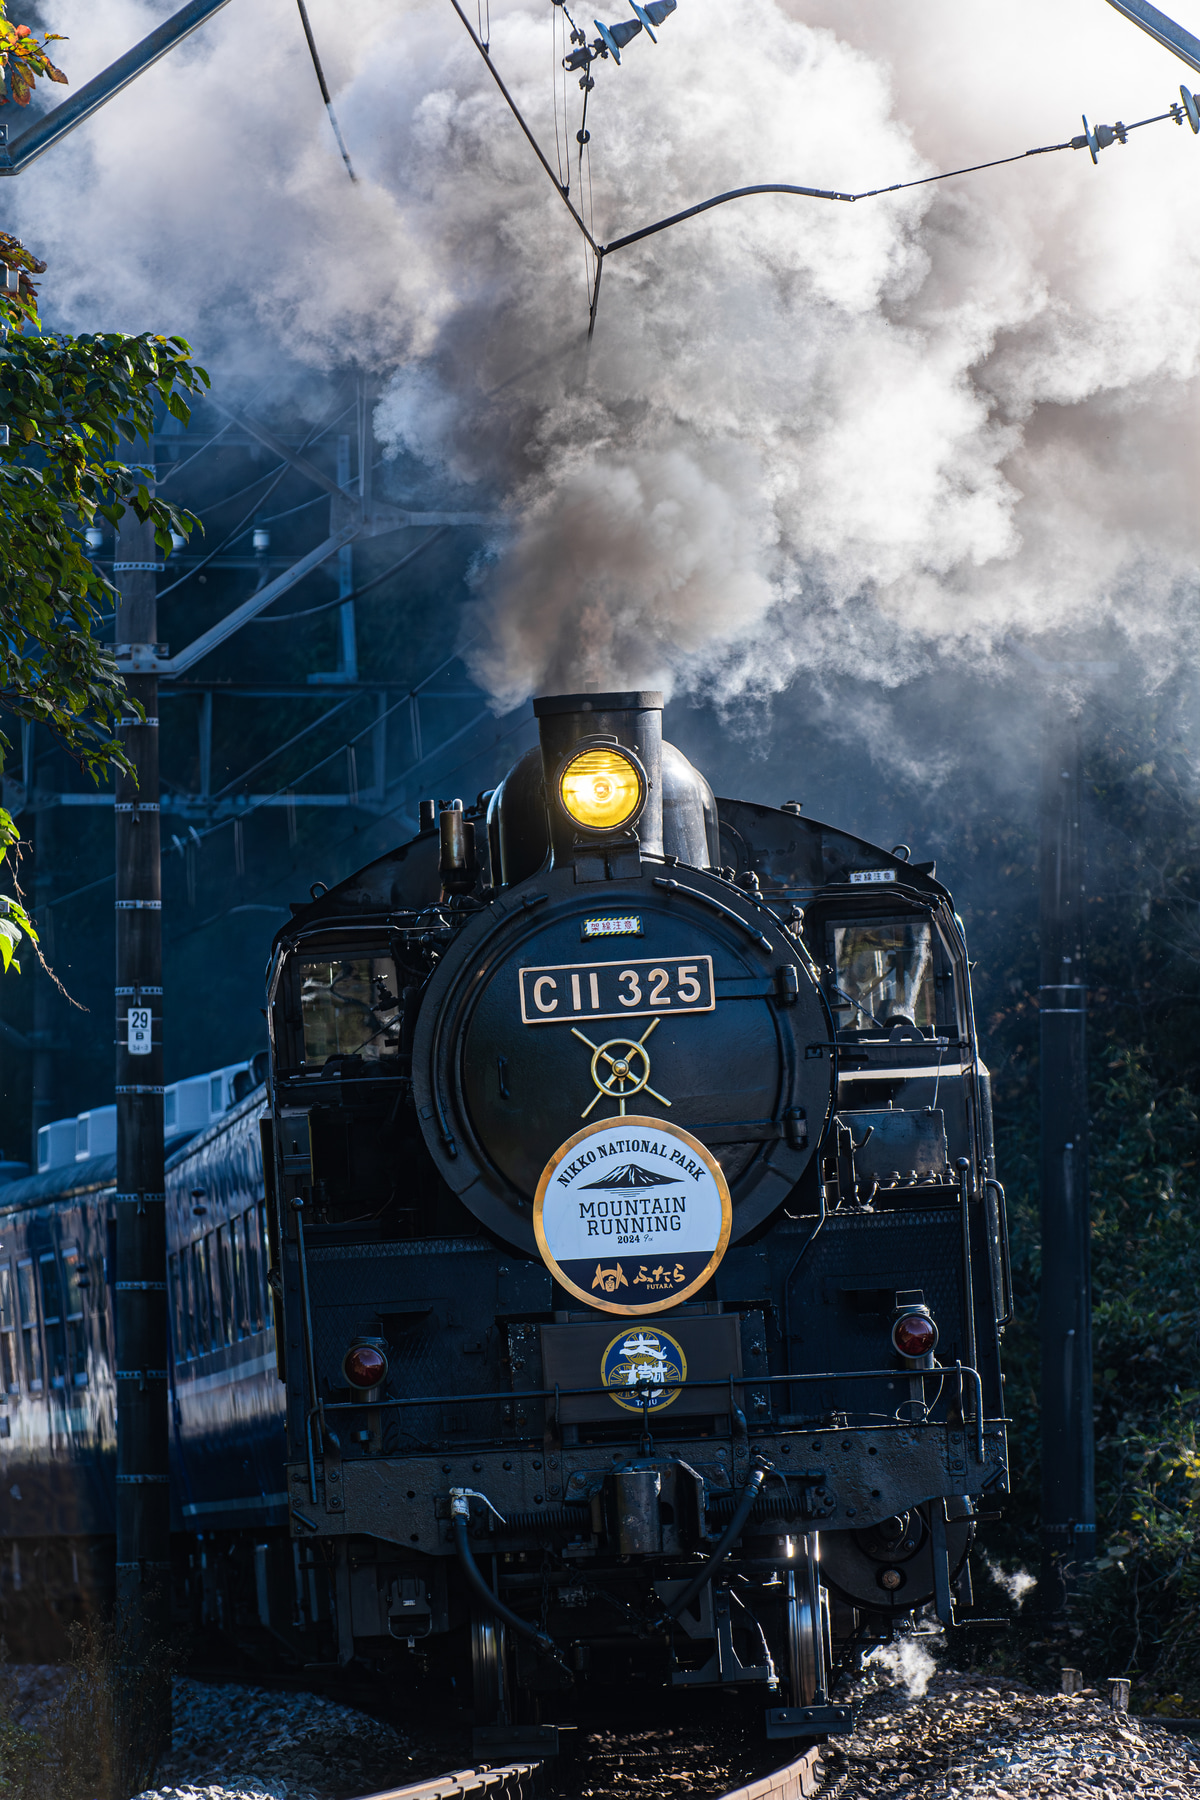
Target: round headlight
[
  {"x": 915, "y": 1334},
  {"x": 364, "y": 1366},
  {"x": 602, "y": 789}
]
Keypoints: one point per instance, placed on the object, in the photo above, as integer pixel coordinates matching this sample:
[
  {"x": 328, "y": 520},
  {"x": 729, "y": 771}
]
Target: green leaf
[{"x": 10, "y": 937}]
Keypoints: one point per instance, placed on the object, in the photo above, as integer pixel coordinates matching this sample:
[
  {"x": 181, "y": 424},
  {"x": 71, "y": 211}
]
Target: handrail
[
  {"x": 741, "y": 1381},
  {"x": 727, "y": 912},
  {"x": 997, "y": 1188}
]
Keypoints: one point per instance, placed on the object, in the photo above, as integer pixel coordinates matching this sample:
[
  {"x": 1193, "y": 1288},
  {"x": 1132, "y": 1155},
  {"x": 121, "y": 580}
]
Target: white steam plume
[
  {"x": 908, "y": 1660},
  {"x": 840, "y": 438},
  {"x": 1017, "y": 1583}
]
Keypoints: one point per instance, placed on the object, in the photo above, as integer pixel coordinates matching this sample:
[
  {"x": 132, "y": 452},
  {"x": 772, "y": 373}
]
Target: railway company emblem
[
  {"x": 632, "y": 1215},
  {"x": 640, "y": 1356}
]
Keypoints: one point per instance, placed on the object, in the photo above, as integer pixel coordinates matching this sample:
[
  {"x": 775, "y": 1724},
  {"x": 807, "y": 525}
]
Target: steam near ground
[
  {"x": 885, "y": 439},
  {"x": 909, "y": 1661},
  {"x": 1017, "y": 1583}
]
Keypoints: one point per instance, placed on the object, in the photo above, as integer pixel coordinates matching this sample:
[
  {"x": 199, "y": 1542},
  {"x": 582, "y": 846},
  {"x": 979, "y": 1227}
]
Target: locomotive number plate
[{"x": 564, "y": 992}]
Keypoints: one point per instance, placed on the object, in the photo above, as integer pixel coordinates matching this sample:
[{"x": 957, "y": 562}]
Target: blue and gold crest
[{"x": 638, "y": 1355}]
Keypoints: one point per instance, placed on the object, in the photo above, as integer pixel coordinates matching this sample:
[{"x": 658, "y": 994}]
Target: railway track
[{"x": 803, "y": 1778}]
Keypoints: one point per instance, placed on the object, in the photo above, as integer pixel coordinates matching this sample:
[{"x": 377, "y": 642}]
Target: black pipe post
[
  {"x": 1068, "y": 1449},
  {"x": 143, "y": 1494}
]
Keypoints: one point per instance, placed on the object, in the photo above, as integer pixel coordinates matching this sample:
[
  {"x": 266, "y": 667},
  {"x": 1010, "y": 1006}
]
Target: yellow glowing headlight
[{"x": 601, "y": 789}]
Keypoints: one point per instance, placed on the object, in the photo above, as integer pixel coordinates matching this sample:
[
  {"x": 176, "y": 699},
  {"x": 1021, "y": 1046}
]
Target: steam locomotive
[
  {"x": 611, "y": 1289},
  {"x": 640, "y": 1258}
]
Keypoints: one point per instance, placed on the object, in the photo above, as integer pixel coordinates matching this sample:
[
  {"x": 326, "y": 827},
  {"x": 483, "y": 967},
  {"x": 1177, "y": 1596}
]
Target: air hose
[
  {"x": 460, "y": 1507},
  {"x": 725, "y": 1543}
]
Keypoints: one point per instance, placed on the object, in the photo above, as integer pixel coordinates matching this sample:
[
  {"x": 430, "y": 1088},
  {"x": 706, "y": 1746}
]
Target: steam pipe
[{"x": 725, "y": 1543}]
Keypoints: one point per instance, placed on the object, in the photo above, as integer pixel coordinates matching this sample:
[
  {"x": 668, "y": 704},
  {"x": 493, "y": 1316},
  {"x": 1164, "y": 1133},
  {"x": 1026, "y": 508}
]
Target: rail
[
  {"x": 511, "y": 1781},
  {"x": 800, "y": 1779}
]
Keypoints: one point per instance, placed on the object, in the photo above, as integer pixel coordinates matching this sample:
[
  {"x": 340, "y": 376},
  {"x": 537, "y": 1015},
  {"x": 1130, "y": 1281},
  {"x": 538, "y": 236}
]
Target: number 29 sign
[{"x": 567, "y": 992}]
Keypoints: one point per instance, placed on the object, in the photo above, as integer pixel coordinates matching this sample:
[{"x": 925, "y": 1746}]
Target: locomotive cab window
[
  {"x": 349, "y": 1006},
  {"x": 885, "y": 971}
]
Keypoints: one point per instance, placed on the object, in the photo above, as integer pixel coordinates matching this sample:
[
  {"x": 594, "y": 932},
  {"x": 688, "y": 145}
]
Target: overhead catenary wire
[
  {"x": 357, "y": 594},
  {"x": 263, "y": 762},
  {"x": 175, "y": 469},
  {"x": 1092, "y": 140},
  {"x": 324, "y": 86},
  {"x": 294, "y": 781},
  {"x": 895, "y": 187},
  {"x": 246, "y": 523},
  {"x": 515, "y": 110},
  {"x": 367, "y": 729},
  {"x": 375, "y": 825}
]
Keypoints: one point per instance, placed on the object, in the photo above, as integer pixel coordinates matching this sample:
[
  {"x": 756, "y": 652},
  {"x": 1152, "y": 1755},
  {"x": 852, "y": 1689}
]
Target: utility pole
[
  {"x": 1068, "y": 1449},
  {"x": 143, "y": 1493},
  {"x": 43, "y": 1037}
]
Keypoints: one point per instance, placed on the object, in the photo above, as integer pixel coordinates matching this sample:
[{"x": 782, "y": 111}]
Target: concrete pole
[
  {"x": 143, "y": 1495},
  {"x": 46, "y": 1017},
  {"x": 1068, "y": 1450}
]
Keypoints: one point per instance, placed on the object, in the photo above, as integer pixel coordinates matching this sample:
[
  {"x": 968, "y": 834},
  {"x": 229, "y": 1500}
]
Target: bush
[{"x": 101, "y": 1736}]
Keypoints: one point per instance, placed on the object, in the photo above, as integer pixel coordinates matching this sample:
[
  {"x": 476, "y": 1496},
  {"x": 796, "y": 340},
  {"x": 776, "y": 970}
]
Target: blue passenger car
[{"x": 59, "y": 1372}]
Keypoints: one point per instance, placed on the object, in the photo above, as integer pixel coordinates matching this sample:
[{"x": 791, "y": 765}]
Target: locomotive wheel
[
  {"x": 888, "y": 1568},
  {"x": 808, "y": 1634},
  {"x": 489, "y": 1700}
]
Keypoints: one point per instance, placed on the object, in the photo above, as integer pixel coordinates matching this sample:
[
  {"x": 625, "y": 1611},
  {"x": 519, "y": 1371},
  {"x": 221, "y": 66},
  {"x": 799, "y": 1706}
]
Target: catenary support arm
[
  {"x": 1164, "y": 31},
  {"x": 103, "y": 87}
]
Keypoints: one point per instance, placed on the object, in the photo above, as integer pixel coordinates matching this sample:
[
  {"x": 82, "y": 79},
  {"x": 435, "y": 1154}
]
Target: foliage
[
  {"x": 15, "y": 922},
  {"x": 67, "y": 404},
  {"x": 23, "y": 59},
  {"x": 101, "y": 1736},
  {"x": 1136, "y": 1611}
]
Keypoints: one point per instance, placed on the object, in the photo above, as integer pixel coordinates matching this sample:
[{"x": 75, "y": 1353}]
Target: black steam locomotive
[{"x": 638, "y": 1259}]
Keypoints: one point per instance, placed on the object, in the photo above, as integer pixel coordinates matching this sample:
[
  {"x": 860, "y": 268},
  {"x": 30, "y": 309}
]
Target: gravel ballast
[
  {"x": 233, "y": 1742},
  {"x": 968, "y": 1738},
  {"x": 943, "y": 1736}
]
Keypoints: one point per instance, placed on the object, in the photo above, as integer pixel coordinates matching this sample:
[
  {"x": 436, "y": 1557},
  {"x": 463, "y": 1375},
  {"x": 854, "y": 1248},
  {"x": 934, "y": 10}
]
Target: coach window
[
  {"x": 350, "y": 1007},
  {"x": 53, "y": 1321},
  {"x": 9, "y": 1370},
  {"x": 254, "y": 1266},
  {"x": 225, "y": 1299},
  {"x": 186, "y": 1313},
  {"x": 76, "y": 1303},
  {"x": 241, "y": 1310},
  {"x": 205, "y": 1336},
  {"x": 27, "y": 1302},
  {"x": 175, "y": 1297}
]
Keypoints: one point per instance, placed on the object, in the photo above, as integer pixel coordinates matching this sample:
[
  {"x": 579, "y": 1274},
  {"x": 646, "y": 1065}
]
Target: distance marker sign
[{"x": 632, "y": 1215}]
